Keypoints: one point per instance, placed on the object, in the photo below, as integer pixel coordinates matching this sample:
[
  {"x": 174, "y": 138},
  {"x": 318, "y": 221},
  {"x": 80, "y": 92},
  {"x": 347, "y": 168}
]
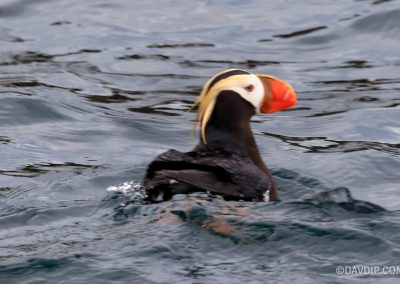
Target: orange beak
[{"x": 278, "y": 95}]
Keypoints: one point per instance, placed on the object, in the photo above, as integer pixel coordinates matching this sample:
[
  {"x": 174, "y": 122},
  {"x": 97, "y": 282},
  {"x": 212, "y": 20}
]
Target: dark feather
[
  {"x": 229, "y": 164},
  {"x": 218, "y": 172}
]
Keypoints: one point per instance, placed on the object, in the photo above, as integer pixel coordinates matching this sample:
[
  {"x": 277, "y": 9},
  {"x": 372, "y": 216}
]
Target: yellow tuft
[{"x": 206, "y": 100}]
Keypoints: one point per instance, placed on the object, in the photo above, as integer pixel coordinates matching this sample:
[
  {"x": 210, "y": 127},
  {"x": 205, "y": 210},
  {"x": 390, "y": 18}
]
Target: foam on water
[{"x": 129, "y": 188}]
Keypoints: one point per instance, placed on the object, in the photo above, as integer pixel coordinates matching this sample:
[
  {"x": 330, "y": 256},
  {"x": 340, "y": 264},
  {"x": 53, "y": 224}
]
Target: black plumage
[{"x": 228, "y": 165}]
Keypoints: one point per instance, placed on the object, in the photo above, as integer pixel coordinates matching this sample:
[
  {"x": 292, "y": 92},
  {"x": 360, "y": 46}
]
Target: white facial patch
[{"x": 253, "y": 95}]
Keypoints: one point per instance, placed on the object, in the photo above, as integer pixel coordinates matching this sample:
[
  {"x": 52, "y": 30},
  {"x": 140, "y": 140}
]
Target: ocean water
[{"x": 92, "y": 91}]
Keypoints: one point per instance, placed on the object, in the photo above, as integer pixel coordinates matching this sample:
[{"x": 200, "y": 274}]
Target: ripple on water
[
  {"x": 385, "y": 24},
  {"x": 90, "y": 93},
  {"x": 54, "y": 269},
  {"x": 22, "y": 111},
  {"x": 197, "y": 224},
  {"x": 301, "y": 32}
]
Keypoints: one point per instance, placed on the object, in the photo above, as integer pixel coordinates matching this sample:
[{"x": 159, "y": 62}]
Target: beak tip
[
  {"x": 283, "y": 97},
  {"x": 292, "y": 98}
]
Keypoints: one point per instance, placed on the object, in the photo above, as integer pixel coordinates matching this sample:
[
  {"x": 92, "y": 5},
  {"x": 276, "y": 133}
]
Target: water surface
[{"x": 91, "y": 91}]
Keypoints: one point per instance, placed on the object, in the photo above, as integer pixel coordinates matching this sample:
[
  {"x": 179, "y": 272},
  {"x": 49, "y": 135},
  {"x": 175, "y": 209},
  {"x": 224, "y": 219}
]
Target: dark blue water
[{"x": 91, "y": 91}]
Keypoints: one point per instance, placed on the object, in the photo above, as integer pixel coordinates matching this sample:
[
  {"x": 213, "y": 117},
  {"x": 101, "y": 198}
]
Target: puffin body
[{"x": 226, "y": 160}]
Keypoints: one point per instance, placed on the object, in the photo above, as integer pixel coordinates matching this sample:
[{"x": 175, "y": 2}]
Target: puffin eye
[{"x": 249, "y": 88}]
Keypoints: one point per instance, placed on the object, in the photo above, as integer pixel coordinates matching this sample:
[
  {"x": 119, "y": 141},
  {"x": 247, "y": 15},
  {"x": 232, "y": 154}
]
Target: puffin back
[{"x": 230, "y": 175}]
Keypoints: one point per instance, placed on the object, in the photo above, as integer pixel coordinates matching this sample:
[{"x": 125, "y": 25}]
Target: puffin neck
[
  {"x": 229, "y": 125},
  {"x": 229, "y": 129}
]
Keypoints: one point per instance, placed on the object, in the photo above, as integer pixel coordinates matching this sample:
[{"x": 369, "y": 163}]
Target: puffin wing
[
  {"x": 174, "y": 172},
  {"x": 206, "y": 181}
]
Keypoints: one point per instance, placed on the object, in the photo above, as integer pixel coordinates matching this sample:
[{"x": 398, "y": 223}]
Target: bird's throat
[
  {"x": 229, "y": 128},
  {"x": 229, "y": 124}
]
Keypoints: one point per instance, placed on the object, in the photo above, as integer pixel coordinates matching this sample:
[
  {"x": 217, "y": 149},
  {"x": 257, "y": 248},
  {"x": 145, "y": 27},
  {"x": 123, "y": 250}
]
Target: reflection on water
[
  {"x": 91, "y": 92},
  {"x": 302, "y": 32}
]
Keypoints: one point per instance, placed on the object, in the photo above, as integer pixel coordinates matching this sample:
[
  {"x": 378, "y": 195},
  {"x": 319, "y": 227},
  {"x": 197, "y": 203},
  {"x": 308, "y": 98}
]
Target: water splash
[{"x": 133, "y": 189}]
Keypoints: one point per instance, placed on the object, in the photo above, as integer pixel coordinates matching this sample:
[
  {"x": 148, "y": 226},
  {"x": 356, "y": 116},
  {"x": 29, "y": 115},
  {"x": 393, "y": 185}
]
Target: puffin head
[{"x": 267, "y": 94}]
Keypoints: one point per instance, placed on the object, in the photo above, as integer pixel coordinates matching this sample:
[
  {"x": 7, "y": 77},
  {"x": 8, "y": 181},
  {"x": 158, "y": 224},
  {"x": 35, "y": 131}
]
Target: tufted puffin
[{"x": 226, "y": 161}]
